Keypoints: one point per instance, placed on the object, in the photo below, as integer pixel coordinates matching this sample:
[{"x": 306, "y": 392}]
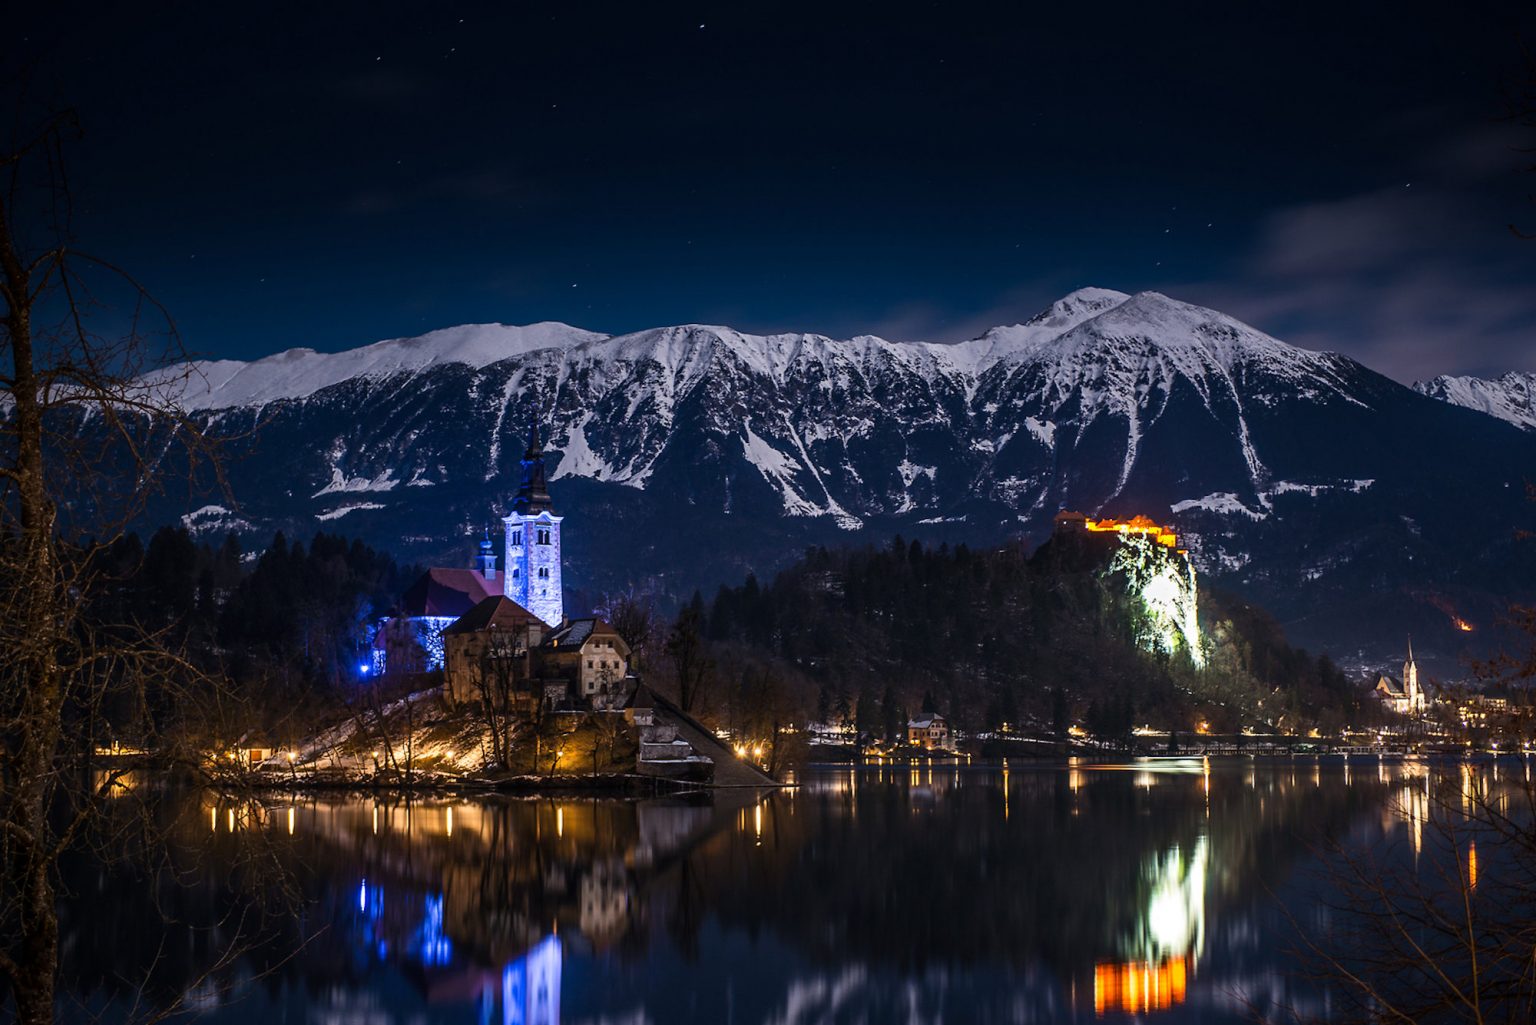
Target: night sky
[{"x": 328, "y": 174}]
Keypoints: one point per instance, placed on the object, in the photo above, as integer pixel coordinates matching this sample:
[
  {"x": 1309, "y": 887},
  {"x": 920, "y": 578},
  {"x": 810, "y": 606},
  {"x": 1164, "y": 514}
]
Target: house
[
  {"x": 493, "y": 641},
  {"x": 582, "y": 664},
  {"x": 593, "y": 657},
  {"x": 929, "y": 731}
]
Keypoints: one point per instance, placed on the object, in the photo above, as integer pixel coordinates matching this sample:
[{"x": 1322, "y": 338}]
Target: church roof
[
  {"x": 445, "y": 592},
  {"x": 498, "y": 612},
  {"x": 1389, "y": 684}
]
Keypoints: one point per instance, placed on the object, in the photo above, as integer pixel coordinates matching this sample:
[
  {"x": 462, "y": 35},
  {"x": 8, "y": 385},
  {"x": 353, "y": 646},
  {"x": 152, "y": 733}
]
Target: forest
[
  {"x": 1000, "y": 639},
  {"x": 1031, "y": 639}
]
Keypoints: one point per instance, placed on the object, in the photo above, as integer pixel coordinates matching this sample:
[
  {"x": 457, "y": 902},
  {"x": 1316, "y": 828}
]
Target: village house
[
  {"x": 593, "y": 656},
  {"x": 930, "y": 732},
  {"x": 492, "y": 641},
  {"x": 582, "y": 664}
]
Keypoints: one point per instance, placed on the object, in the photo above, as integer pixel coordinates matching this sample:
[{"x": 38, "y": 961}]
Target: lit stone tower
[
  {"x": 533, "y": 542},
  {"x": 1411, "y": 682}
]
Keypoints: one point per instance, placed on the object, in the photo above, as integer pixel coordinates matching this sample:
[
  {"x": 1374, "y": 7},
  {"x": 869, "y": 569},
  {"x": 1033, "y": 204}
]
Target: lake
[{"x": 1027, "y": 893}]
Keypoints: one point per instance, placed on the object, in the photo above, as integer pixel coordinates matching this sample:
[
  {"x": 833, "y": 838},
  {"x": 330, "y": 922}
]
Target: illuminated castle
[
  {"x": 532, "y": 577},
  {"x": 1157, "y": 572},
  {"x": 1140, "y": 526}
]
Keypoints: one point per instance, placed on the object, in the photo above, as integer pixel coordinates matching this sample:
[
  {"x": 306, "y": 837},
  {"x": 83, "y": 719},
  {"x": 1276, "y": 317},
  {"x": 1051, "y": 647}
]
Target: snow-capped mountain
[
  {"x": 1511, "y": 397},
  {"x": 694, "y": 453}
]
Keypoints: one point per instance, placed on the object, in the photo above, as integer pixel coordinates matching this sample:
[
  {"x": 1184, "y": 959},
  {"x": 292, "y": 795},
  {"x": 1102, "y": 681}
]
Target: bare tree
[
  {"x": 72, "y": 402},
  {"x": 633, "y": 614},
  {"x": 502, "y": 676},
  {"x": 1443, "y": 935},
  {"x": 688, "y": 652}
]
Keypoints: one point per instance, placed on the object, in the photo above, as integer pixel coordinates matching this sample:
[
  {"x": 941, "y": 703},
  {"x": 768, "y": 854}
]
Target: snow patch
[
  {"x": 1222, "y": 503},
  {"x": 213, "y": 517},
  {"x": 336, "y": 514},
  {"x": 340, "y": 483}
]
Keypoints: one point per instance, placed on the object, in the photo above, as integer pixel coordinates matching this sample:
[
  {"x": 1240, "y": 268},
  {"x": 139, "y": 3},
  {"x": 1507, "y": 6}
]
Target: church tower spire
[
  {"x": 1411, "y": 681},
  {"x": 533, "y": 564},
  {"x": 533, "y": 489}
]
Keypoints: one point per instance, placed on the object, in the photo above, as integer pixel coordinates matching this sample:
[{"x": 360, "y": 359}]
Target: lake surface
[{"x": 1081, "y": 892}]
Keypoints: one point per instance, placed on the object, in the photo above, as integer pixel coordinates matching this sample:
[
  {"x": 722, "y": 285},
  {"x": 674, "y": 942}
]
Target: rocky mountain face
[
  {"x": 1356, "y": 508},
  {"x": 1511, "y": 397}
]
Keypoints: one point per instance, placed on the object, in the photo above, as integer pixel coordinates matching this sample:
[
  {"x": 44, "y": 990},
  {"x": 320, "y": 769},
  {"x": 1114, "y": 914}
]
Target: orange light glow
[
  {"x": 1135, "y": 525},
  {"x": 1136, "y": 987},
  {"x": 1462, "y": 625}
]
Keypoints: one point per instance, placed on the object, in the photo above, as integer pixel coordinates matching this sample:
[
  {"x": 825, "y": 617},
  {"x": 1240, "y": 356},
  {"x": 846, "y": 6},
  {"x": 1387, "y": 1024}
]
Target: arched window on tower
[
  {"x": 517, "y": 539},
  {"x": 543, "y": 536}
]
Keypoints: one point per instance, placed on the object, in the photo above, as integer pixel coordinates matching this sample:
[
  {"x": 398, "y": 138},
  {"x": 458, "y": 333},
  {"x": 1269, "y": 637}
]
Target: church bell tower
[
  {"x": 1411, "y": 682},
  {"x": 532, "y": 577}
]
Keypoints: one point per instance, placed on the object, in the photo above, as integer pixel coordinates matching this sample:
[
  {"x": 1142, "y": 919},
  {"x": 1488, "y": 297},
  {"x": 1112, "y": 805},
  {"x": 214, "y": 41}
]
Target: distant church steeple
[
  {"x": 1411, "y": 681},
  {"x": 487, "y": 557},
  {"x": 533, "y": 577}
]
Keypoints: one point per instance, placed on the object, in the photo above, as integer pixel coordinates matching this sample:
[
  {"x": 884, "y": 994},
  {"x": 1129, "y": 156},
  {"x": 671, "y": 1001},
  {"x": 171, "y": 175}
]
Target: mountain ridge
[
  {"x": 697, "y": 453},
  {"x": 1510, "y": 396}
]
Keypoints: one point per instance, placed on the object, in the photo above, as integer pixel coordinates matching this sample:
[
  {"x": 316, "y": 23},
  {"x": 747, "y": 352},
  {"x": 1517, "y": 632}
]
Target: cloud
[
  {"x": 919, "y": 321},
  {"x": 485, "y": 187},
  {"x": 1414, "y": 280}
]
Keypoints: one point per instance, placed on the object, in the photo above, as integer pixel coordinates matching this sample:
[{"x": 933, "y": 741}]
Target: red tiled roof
[{"x": 447, "y": 592}]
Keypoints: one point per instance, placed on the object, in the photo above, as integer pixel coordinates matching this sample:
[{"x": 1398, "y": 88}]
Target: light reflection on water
[{"x": 1068, "y": 892}]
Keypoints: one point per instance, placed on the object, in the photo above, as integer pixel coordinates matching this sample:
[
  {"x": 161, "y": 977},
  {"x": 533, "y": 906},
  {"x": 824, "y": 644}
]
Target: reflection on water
[
  {"x": 937, "y": 892},
  {"x": 1135, "y": 988}
]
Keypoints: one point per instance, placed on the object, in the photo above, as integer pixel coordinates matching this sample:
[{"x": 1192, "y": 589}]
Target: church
[
  {"x": 1403, "y": 696},
  {"x": 411, "y": 640}
]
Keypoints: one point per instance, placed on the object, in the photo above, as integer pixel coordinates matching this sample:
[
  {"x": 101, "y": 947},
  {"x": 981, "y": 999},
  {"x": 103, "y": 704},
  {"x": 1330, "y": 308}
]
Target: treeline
[
  {"x": 286, "y": 623},
  {"x": 1003, "y": 635}
]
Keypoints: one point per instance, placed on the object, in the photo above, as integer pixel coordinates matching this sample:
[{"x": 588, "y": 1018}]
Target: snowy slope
[
  {"x": 1511, "y": 397},
  {"x": 828, "y": 425},
  {"x": 299, "y": 373}
]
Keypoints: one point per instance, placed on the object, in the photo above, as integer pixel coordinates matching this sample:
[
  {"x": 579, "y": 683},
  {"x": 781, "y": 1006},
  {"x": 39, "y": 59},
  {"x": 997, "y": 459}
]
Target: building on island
[
  {"x": 410, "y": 639},
  {"x": 594, "y": 657},
  {"x": 533, "y": 542},
  {"x": 1403, "y": 696},
  {"x": 929, "y": 731},
  {"x": 584, "y": 664},
  {"x": 492, "y": 641}
]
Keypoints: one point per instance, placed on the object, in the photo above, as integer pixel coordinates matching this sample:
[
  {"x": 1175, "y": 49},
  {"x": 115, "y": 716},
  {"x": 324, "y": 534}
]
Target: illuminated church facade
[
  {"x": 532, "y": 575},
  {"x": 1404, "y": 696}
]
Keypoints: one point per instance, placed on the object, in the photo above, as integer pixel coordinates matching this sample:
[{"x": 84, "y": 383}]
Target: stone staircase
[{"x": 664, "y": 753}]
